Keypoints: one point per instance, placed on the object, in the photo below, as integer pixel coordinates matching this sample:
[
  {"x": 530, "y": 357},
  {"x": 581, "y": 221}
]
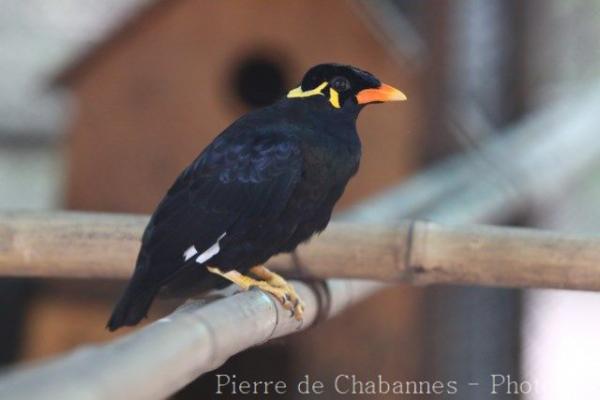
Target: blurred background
[{"x": 103, "y": 103}]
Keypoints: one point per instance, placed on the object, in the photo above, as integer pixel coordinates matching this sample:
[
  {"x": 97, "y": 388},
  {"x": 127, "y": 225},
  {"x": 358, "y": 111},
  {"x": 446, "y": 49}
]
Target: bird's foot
[
  {"x": 268, "y": 282},
  {"x": 293, "y": 301}
]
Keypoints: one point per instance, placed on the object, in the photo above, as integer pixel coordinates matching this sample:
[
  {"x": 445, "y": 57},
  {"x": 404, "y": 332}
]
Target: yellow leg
[
  {"x": 277, "y": 281},
  {"x": 270, "y": 283}
]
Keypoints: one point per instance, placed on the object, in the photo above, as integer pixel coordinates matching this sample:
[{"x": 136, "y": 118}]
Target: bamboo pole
[
  {"x": 105, "y": 246},
  {"x": 157, "y": 360},
  {"x": 483, "y": 190},
  {"x": 69, "y": 244}
]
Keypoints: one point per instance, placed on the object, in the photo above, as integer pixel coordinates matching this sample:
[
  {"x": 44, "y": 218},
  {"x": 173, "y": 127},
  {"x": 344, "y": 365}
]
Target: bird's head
[{"x": 345, "y": 86}]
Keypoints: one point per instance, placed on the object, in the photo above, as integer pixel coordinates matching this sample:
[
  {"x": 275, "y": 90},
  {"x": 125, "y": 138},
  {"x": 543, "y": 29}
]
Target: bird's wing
[{"x": 248, "y": 176}]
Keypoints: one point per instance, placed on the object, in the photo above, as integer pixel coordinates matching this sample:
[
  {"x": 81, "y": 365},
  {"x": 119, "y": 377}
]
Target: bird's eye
[{"x": 340, "y": 83}]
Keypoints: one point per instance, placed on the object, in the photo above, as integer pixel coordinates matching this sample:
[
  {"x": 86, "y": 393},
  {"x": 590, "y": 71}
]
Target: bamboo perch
[
  {"x": 164, "y": 356},
  {"x": 105, "y": 246},
  {"x": 425, "y": 253},
  {"x": 558, "y": 144}
]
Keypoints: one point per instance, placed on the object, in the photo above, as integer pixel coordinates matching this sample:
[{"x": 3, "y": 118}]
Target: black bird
[{"x": 264, "y": 185}]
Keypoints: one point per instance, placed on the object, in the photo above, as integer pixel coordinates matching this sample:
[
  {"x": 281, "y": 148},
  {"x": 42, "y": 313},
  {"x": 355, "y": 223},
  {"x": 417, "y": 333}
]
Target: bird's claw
[
  {"x": 288, "y": 299},
  {"x": 298, "y": 310},
  {"x": 280, "y": 289},
  {"x": 295, "y": 305}
]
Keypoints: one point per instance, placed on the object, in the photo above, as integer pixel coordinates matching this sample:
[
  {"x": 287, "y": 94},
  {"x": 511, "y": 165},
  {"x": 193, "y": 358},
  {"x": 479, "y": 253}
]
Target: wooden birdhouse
[{"x": 153, "y": 94}]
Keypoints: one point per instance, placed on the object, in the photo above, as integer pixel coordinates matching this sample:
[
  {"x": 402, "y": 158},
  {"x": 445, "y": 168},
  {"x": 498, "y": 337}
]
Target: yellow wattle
[{"x": 334, "y": 98}]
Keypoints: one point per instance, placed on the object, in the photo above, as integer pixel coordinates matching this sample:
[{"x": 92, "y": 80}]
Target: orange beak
[{"x": 380, "y": 94}]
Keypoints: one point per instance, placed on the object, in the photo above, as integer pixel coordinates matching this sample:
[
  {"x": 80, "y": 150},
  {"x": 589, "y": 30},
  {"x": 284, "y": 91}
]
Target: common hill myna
[{"x": 264, "y": 185}]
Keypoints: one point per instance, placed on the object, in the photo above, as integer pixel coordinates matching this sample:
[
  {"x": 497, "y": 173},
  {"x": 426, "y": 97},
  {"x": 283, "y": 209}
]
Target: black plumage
[{"x": 267, "y": 183}]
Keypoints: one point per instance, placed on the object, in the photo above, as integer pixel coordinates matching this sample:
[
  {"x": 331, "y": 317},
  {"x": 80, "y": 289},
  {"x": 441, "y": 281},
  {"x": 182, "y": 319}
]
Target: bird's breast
[
  {"x": 327, "y": 168},
  {"x": 331, "y": 162}
]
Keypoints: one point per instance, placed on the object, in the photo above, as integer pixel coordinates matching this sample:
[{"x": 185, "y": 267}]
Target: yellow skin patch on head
[
  {"x": 298, "y": 92},
  {"x": 334, "y": 97}
]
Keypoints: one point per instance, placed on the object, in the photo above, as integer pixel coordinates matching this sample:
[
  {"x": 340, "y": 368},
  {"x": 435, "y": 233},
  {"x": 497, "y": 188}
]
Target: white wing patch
[
  {"x": 189, "y": 253},
  {"x": 206, "y": 255}
]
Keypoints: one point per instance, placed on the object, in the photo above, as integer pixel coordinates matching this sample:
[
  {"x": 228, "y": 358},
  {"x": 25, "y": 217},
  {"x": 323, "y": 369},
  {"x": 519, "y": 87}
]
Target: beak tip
[
  {"x": 394, "y": 94},
  {"x": 401, "y": 97}
]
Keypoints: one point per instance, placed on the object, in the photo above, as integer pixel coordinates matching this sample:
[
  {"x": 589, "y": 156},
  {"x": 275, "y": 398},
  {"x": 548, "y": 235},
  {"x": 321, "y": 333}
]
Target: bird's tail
[{"x": 133, "y": 305}]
